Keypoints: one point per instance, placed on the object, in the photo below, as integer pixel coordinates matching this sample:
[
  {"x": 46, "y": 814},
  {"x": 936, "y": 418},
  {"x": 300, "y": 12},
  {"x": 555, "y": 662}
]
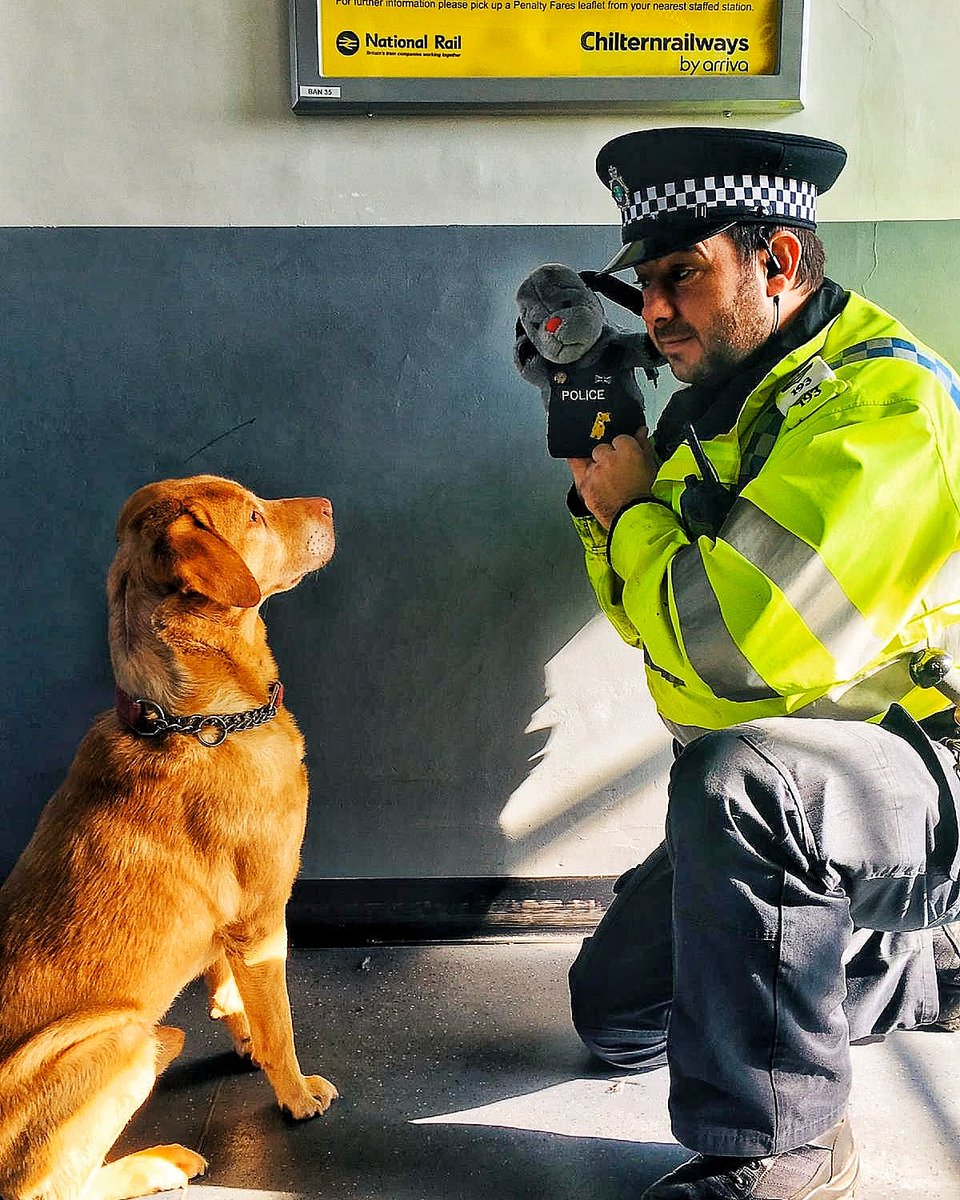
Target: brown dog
[{"x": 169, "y": 851}]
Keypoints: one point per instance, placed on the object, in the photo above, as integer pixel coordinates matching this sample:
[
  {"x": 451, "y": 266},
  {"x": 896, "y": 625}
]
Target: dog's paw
[
  {"x": 243, "y": 1045},
  {"x": 182, "y": 1159},
  {"x": 322, "y": 1089},
  {"x": 238, "y": 1027},
  {"x": 318, "y": 1095},
  {"x": 160, "y": 1169}
]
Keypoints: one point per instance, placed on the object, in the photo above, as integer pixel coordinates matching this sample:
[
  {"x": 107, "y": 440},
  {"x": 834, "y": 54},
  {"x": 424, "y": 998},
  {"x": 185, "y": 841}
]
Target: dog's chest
[{"x": 247, "y": 838}]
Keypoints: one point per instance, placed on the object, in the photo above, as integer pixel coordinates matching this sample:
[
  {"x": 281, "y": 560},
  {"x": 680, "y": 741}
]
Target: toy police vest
[{"x": 591, "y": 403}]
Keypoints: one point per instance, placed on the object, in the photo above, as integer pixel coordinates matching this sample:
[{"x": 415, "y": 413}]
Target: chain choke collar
[{"x": 149, "y": 719}]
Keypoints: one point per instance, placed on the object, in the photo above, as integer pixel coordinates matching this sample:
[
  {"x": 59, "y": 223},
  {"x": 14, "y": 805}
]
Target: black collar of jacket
[{"x": 714, "y": 409}]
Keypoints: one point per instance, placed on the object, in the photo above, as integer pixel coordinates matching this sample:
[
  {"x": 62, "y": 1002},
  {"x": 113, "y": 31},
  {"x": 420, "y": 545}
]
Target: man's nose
[{"x": 657, "y": 305}]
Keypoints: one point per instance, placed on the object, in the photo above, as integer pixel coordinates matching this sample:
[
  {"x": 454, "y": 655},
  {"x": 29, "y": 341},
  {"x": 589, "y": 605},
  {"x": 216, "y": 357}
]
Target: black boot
[
  {"x": 946, "y": 953},
  {"x": 826, "y": 1168}
]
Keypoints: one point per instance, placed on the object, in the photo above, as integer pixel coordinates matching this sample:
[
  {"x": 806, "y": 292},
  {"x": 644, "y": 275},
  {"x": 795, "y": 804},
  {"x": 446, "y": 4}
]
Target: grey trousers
[{"x": 788, "y": 914}]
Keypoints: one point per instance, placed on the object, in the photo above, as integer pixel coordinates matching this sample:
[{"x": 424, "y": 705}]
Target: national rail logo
[{"x": 347, "y": 42}]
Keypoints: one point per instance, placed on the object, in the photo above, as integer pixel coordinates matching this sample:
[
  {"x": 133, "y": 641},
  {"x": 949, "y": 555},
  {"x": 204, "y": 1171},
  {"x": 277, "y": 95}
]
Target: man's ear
[
  {"x": 204, "y": 562},
  {"x": 783, "y": 261}
]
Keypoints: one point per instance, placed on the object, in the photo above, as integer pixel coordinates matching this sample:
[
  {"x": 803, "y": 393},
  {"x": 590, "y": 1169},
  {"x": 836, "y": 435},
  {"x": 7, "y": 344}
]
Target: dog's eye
[{"x": 255, "y": 517}]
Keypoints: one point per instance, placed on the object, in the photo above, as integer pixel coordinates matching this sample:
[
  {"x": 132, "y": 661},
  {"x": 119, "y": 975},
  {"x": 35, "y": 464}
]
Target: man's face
[{"x": 704, "y": 308}]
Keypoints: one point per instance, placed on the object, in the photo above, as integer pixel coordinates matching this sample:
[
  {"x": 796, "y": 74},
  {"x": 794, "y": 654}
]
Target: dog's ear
[{"x": 205, "y": 562}]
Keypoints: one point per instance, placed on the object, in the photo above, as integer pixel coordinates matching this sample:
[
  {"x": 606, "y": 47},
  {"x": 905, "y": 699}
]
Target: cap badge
[{"x": 618, "y": 189}]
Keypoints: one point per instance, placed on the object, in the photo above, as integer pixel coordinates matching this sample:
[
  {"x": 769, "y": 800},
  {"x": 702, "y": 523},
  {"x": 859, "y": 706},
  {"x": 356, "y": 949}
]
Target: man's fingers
[{"x": 579, "y": 468}]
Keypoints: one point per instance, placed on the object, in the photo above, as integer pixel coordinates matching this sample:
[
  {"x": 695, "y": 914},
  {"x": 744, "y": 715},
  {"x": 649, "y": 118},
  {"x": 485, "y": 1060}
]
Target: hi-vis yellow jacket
[{"x": 836, "y": 562}]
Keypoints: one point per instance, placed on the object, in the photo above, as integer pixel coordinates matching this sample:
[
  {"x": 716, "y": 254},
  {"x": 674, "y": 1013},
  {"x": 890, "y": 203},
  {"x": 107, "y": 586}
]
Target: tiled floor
[{"x": 462, "y": 1079}]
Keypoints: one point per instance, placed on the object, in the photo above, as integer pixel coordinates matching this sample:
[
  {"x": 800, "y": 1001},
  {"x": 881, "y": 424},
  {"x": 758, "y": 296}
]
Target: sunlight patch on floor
[
  {"x": 625, "y": 1108},
  {"x": 202, "y": 1192}
]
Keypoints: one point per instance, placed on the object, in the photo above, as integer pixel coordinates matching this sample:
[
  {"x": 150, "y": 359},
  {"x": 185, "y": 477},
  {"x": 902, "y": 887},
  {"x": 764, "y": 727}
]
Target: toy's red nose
[{"x": 552, "y": 324}]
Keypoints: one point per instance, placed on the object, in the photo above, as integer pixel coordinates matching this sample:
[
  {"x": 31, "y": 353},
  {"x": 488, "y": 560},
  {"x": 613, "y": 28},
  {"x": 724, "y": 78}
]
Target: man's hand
[{"x": 615, "y": 475}]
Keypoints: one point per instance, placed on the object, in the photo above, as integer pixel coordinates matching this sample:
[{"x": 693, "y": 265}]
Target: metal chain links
[{"x": 209, "y": 729}]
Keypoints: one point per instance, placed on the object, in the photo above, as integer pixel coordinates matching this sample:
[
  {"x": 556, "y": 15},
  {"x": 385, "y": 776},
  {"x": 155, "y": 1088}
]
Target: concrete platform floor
[{"x": 462, "y": 1079}]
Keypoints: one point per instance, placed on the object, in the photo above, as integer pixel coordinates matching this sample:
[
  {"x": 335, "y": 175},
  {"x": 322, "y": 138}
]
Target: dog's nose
[
  {"x": 552, "y": 324},
  {"x": 323, "y": 507}
]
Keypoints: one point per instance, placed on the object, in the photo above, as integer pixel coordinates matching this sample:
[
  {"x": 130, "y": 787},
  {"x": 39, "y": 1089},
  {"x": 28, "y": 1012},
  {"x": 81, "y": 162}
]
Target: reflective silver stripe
[
  {"x": 870, "y": 697},
  {"x": 712, "y": 652},
  {"x": 803, "y": 577},
  {"x": 684, "y": 733}
]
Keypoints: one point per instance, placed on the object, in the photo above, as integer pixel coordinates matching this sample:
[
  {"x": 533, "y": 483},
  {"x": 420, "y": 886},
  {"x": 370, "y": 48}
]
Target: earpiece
[{"x": 774, "y": 266}]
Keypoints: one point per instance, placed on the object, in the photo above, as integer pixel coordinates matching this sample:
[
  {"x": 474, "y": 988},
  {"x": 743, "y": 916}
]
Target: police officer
[{"x": 783, "y": 550}]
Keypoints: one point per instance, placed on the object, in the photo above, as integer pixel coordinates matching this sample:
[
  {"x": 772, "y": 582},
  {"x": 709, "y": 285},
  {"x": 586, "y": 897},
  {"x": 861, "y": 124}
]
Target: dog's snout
[{"x": 317, "y": 507}]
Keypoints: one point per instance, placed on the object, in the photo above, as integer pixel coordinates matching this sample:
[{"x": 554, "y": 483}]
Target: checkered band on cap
[{"x": 769, "y": 195}]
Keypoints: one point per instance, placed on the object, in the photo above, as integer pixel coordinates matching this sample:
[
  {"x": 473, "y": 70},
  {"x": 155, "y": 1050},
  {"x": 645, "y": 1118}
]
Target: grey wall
[{"x": 373, "y": 366}]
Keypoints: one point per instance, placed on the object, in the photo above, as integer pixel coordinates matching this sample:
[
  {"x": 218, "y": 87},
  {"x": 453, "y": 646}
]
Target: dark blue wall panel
[{"x": 370, "y": 365}]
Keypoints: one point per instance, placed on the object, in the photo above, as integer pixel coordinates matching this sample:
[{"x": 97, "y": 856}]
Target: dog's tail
[{"x": 55, "y": 1072}]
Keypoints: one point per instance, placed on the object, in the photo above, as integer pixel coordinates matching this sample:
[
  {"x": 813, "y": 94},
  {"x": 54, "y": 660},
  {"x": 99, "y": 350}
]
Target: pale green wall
[
  {"x": 909, "y": 268},
  {"x": 128, "y": 112}
]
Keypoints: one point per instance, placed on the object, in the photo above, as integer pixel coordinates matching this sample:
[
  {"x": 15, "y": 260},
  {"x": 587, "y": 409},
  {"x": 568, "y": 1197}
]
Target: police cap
[{"x": 676, "y": 187}]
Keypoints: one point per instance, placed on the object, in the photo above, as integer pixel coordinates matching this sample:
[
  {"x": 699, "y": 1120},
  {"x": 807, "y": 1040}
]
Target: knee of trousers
[
  {"x": 715, "y": 778},
  {"x": 623, "y": 1048},
  {"x": 613, "y": 1048},
  {"x": 586, "y": 1007},
  {"x": 602, "y": 1030}
]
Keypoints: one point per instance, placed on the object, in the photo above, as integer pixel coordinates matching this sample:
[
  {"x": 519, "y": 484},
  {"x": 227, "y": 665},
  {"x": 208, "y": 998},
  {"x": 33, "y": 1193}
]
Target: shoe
[
  {"x": 948, "y": 1019},
  {"x": 827, "y": 1168},
  {"x": 946, "y": 955}
]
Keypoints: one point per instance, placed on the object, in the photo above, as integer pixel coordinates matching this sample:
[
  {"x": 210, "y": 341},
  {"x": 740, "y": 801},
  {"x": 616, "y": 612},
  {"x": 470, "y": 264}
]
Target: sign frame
[{"x": 779, "y": 92}]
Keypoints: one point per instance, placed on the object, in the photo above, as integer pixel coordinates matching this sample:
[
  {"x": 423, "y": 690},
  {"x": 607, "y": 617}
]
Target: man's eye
[{"x": 679, "y": 274}]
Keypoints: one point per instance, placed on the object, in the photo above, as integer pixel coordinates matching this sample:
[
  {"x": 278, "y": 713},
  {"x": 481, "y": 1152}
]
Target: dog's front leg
[
  {"x": 260, "y": 974},
  {"x": 226, "y": 1005}
]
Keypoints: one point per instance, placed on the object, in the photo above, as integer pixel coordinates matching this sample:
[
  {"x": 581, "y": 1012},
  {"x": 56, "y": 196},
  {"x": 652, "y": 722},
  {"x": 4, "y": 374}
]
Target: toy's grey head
[{"x": 559, "y": 313}]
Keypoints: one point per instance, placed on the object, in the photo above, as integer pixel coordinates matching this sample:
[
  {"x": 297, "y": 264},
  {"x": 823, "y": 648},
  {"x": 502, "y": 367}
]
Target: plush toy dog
[{"x": 584, "y": 367}]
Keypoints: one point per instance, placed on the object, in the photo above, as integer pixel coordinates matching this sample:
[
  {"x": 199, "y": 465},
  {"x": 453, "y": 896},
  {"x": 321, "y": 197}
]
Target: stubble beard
[{"x": 733, "y": 335}]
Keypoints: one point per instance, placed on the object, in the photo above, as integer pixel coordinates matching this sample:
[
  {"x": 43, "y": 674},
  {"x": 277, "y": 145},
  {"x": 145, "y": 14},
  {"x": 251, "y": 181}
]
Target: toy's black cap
[{"x": 676, "y": 187}]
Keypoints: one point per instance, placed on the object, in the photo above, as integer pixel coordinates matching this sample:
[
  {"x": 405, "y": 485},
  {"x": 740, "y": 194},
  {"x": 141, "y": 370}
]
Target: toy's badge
[
  {"x": 618, "y": 189},
  {"x": 560, "y": 377},
  {"x": 603, "y": 419}
]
